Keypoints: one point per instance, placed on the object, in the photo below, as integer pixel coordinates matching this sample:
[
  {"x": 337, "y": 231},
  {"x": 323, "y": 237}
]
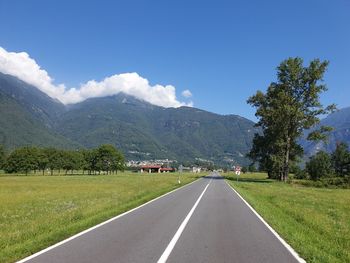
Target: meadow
[
  {"x": 38, "y": 211},
  {"x": 314, "y": 221}
]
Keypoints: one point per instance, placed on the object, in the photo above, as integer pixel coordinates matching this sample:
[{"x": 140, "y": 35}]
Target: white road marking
[
  {"x": 99, "y": 225},
  {"x": 284, "y": 243},
  {"x": 178, "y": 233}
]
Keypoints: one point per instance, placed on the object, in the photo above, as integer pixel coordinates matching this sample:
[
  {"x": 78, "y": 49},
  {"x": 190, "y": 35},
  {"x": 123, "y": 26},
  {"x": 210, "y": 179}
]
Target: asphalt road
[{"x": 205, "y": 221}]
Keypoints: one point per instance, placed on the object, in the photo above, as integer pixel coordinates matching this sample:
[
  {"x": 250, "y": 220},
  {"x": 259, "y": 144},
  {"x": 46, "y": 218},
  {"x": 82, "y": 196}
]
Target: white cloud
[
  {"x": 186, "y": 93},
  {"x": 22, "y": 66}
]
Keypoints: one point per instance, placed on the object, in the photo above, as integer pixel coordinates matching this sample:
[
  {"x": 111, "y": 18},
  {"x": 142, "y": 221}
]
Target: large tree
[
  {"x": 290, "y": 105},
  {"x": 89, "y": 162},
  {"x": 22, "y": 160},
  {"x": 72, "y": 160},
  {"x": 109, "y": 159},
  {"x": 54, "y": 158}
]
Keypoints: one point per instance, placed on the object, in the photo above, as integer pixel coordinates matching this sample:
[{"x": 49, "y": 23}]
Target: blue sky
[{"x": 222, "y": 51}]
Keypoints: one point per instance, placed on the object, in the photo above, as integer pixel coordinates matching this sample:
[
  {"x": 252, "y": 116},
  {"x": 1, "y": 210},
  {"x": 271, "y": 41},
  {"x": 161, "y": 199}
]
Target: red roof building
[
  {"x": 155, "y": 169},
  {"x": 150, "y": 169}
]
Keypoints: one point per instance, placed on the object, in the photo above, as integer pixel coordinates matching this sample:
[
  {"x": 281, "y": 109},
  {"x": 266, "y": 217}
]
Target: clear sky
[{"x": 222, "y": 51}]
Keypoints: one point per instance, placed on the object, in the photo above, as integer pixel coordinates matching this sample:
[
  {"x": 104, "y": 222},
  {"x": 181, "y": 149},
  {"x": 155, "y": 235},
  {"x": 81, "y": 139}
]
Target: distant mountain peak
[{"x": 340, "y": 121}]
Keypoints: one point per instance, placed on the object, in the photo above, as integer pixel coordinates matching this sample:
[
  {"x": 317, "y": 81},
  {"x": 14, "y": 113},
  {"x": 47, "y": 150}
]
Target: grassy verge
[
  {"x": 38, "y": 211},
  {"x": 332, "y": 182},
  {"x": 314, "y": 221}
]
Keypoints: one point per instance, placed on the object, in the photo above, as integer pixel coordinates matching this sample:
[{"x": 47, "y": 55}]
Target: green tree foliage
[
  {"x": 72, "y": 160},
  {"x": 109, "y": 159},
  {"x": 105, "y": 158},
  {"x": 2, "y": 156},
  {"x": 319, "y": 166},
  {"x": 89, "y": 160},
  {"x": 341, "y": 160},
  {"x": 22, "y": 160},
  {"x": 55, "y": 159},
  {"x": 42, "y": 160},
  {"x": 289, "y": 106},
  {"x": 252, "y": 168}
]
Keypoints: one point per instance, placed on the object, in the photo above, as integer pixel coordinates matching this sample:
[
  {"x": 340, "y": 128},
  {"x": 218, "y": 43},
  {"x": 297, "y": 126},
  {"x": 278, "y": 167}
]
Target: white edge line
[
  {"x": 284, "y": 243},
  {"x": 99, "y": 225},
  {"x": 178, "y": 233}
]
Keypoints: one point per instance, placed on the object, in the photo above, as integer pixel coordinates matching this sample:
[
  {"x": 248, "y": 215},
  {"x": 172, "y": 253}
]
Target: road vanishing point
[{"x": 205, "y": 221}]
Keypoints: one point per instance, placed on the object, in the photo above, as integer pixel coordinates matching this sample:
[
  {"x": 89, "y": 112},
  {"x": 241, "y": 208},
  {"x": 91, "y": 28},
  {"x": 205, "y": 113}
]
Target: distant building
[
  {"x": 155, "y": 169},
  {"x": 196, "y": 169},
  {"x": 150, "y": 169}
]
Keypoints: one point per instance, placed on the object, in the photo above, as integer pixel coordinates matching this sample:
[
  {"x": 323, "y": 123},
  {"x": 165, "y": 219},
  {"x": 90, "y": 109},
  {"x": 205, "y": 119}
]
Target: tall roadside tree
[{"x": 290, "y": 105}]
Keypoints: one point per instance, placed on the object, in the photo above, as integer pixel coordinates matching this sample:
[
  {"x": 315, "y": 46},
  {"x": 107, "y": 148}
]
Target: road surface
[{"x": 205, "y": 221}]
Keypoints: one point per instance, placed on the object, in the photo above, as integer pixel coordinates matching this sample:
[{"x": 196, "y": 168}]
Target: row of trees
[
  {"x": 289, "y": 106},
  {"x": 324, "y": 165},
  {"x": 105, "y": 158}
]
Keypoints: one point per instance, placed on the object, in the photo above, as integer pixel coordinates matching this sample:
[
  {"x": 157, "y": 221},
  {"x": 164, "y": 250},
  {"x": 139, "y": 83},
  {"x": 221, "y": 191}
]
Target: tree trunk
[{"x": 286, "y": 161}]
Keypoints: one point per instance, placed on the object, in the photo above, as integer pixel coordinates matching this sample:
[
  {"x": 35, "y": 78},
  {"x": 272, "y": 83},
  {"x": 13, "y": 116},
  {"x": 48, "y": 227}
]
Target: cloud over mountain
[
  {"x": 186, "y": 93},
  {"x": 22, "y": 66}
]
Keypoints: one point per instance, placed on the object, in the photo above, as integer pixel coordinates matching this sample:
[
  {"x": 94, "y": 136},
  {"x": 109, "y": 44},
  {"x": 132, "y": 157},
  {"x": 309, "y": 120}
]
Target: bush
[
  {"x": 341, "y": 160},
  {"x": 337, "y": 182},
  {"x": 332, "y": 182},
  {"x": 301, "y": 174},
  {"x": 320, "y": 165}
]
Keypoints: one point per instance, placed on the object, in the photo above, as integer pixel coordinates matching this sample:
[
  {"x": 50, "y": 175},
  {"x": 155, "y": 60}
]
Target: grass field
[
  {"x": 314, "y": 221},
  {"x": 38, "y": 211}
]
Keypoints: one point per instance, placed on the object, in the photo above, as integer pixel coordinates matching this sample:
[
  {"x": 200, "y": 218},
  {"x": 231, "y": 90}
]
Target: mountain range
[
  {"x": 139, "y": 129},
  {"x": 340, "y": 122}
]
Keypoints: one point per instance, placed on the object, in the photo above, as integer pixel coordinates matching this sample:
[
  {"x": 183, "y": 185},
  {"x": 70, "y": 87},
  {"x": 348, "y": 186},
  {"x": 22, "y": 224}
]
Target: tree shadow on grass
[
  {"x": 213, "y": 177},
  {"x": 249, "y": 180}
]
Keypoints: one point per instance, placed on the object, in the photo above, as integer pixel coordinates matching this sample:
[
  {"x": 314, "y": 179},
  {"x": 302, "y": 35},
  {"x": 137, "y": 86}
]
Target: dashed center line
[{"x": 178, "y": 233}]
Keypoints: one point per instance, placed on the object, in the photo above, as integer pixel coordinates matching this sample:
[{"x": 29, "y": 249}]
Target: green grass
[
  {"x": 314, "y": 221},
  {"x": 38, "y": 211}
]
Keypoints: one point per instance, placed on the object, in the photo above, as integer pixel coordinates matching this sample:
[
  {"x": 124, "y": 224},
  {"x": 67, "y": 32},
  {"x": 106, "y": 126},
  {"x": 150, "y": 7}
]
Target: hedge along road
[{"x": 205, "y": 221}]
